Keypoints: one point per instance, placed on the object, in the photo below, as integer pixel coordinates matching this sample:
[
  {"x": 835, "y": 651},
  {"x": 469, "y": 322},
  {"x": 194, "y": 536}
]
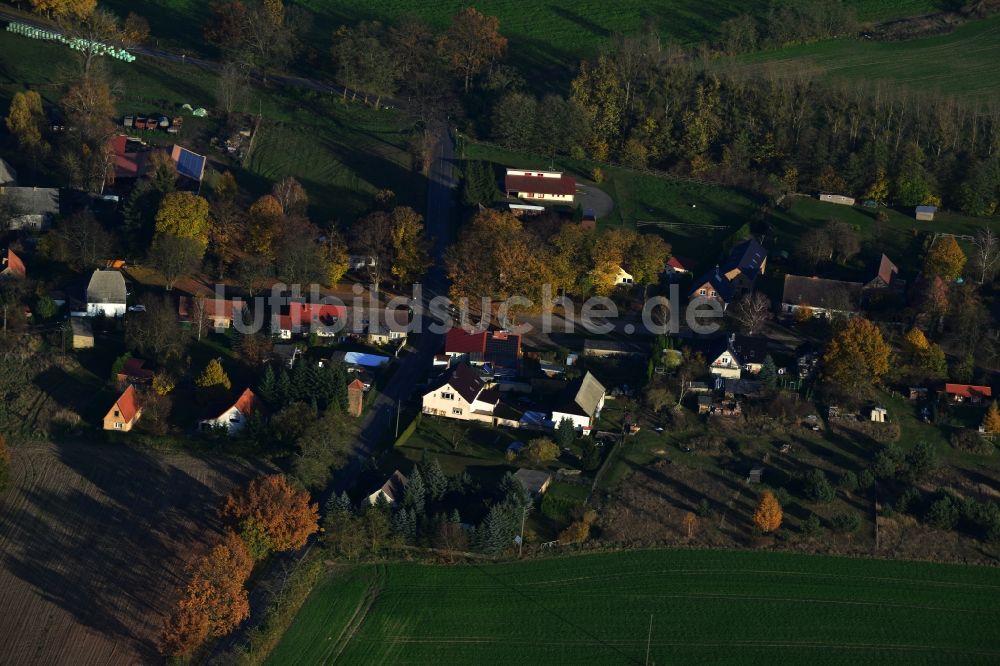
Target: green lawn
[
  {"x": 705, "y": 607},
  {"x": 547, "y": 36},
  {"x": 961, "y": 64}
]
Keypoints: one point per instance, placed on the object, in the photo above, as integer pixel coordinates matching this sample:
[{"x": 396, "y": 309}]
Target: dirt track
[{"x": 93, "y": 540}]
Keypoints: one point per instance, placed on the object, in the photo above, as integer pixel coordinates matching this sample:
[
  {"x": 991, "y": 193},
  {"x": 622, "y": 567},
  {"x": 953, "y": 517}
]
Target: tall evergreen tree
[
  {"x": 415, "y": 497},
  {"x": 267, "y": 388},
  {"x": 283, "y": 389},
  {"x": 565, "y": 433},
  {"x": 436, "y": 481},
  {"x": 768, "y": 373}
]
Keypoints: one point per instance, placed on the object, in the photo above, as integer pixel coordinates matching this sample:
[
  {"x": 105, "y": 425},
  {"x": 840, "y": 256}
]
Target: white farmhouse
[{"x": 236, "y": 416}]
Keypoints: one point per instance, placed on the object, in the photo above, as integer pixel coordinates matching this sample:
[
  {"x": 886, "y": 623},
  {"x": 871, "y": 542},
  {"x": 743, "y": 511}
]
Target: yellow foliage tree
[
  {"x": 337, "y": 259},
  {"x": 690, "y": 522},
  {"x": 26, "y": 119},
  {"x": 879, "y": 190},
  {"x": 212, "y": 376},
  {"x": 608, "y": 255},
  {"x": 184, "y": 215},
  {"x": 991, "y": 423},
  {"x": 69, "y": 9},
  {"x": 163, "y": 384},
  {"x": 578, "y": 531},
  {"x": 768, "y": 515},
  {"x": 857, "y": 357},
  {"x": 410, "y": 245},
  {"x": 541, "y": 449},
  {"x": 265, "y": 218},
  {"x": 945, "y": 259}
]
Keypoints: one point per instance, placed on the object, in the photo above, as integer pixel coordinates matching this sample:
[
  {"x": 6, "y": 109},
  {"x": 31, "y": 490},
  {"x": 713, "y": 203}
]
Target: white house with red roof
[
  {"x": 236, "y": 417},
  {"x": 545, "y": 186},
  {"x": 324, "y": 319}
]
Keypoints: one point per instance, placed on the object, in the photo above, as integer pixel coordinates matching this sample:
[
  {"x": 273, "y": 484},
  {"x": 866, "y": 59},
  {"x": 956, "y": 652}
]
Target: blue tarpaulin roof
[{"x": 191, "y": 165}]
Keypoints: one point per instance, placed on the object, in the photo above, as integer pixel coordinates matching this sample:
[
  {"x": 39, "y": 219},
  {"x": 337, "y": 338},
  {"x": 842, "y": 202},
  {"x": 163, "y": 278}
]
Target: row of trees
[
  {"x": 499, "y": 256},
  {"x": 267, "y": 516},
  {"x": 645, "y": 106}
]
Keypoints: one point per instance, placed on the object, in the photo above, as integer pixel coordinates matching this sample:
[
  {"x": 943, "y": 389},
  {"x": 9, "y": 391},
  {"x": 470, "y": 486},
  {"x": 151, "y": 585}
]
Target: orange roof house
[
  {"x": 967, "y": 392},
  {"x": 13, "y": 266},
  {"x": 125, "y": 412}
]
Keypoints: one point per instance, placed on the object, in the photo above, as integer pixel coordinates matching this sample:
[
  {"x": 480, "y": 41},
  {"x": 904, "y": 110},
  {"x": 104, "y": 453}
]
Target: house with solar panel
[{"x": 190, "y": 167}]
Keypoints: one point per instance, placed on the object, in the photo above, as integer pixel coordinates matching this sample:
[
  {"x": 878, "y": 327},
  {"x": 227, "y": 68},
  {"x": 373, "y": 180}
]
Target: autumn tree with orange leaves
[
  {"x": 271, "y": 515},
  {"x": 214, "y": 601},
  {"x": 768, "y": 515},
  {"x": 472, "y": 42}
]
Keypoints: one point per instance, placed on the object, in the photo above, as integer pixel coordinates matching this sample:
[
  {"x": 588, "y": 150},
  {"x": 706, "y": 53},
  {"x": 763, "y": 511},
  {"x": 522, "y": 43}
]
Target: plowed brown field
[{"x": 93, "y": 542}]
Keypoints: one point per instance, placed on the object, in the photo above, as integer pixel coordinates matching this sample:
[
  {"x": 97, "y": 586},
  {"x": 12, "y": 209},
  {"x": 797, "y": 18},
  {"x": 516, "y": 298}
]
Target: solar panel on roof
[{"x": 190, "y": 164}]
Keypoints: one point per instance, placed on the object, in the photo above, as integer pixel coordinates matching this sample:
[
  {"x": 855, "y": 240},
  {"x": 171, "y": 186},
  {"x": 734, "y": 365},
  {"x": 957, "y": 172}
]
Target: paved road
[{"x": 378, "y": 424}]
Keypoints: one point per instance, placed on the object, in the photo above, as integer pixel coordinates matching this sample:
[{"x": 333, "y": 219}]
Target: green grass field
[
  {"x": 961, "y": 64},
  {"x": 706, "y": 607},
  {"x": 548, "y": 36}
]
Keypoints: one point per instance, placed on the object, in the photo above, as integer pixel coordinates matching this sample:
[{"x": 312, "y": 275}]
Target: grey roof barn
[
  {"x": 8, "y": 176},
  {"x": 582, "y": 397},
  {"x": 31, "y": 207},
  {"x": 106, "y": 287}
]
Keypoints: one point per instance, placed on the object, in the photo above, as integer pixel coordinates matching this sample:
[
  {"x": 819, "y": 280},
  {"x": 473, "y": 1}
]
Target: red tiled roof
[
  {"x": 681, "y": 263},
  {"x": 968, "y": 390},
  {"x": 128, "y": 404},
  {"x": 247, "y": 403},
  {"x": 357, "y": 384},
  {"x": 539, "y": 185},
  {"x": 458, "y": 341},
  {"x": 309, "y": 313},
  {"x": 133, "y": 368},
  {"x": 127, "y": 165},
  {"x": 14, "y": 265}
]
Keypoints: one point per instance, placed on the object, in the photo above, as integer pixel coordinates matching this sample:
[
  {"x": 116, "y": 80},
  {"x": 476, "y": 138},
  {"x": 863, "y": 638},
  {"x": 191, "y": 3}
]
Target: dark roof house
[
  {"x": 820, "y": 295},
  {"x": 465, "y": 379},
  {"x": 748, "y": 259}
]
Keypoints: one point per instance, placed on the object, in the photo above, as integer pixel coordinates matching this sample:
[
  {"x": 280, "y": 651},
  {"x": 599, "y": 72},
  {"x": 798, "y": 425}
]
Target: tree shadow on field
[{"x": 109, "y": 546}]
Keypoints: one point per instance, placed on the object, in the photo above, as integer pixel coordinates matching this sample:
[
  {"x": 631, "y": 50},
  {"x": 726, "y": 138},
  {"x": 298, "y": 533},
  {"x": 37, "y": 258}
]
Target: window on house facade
[
  {"x": 447, "y": 396},
  {"x": 117, "y": 414},
  {"x": 702, "y": 292},
  {"x": 118, "y": 425},
  {"x": 456, "y": 410},
  {"x": 713, "y": 294}
]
